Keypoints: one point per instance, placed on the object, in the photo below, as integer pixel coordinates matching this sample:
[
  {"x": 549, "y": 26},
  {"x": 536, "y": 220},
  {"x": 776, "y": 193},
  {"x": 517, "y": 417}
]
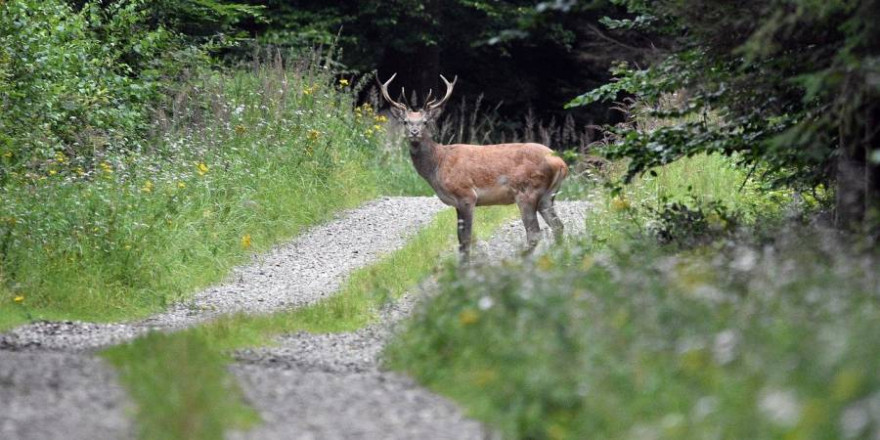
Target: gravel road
[
  {"x": 310, "y": 386},
  {"x": 330, "y": 386}
]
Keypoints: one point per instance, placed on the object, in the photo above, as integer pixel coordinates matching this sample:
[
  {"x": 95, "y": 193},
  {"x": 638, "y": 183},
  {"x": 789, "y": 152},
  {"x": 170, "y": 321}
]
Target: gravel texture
[
  {"x": 72, "y": 396},
  {"x": 52, "y": 386},
  {"x": 309, "y": 386},
  {"x": 331, "y": 386}
]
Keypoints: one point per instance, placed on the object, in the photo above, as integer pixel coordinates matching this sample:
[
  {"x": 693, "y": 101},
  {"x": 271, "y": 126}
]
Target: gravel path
[
  {"x": 310, "y": 386},
  {"x": 52, "y": 386},
  {"x": 330, "y": 386}
]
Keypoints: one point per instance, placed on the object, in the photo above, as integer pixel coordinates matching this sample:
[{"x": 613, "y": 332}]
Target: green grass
[
  {"x": 760, "y": 335},
  {"x": 250, "y": 158},
  {"x": 190, "y": 392},
  {"x": 179, "y": 381}
]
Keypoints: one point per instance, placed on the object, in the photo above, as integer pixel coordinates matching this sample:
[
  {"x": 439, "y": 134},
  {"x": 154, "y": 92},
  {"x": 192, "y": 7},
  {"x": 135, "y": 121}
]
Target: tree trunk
[{"x": 858, "y": 171}]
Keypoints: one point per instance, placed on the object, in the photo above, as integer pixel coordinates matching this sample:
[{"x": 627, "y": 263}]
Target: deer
[{"x": 466, "y": 176}]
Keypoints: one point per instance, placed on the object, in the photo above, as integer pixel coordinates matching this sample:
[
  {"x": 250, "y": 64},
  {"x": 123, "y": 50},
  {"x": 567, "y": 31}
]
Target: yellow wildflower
[
  {"x": 18, "y": 299},
  {"x": 246, "y": 241},
  {"x": 181, "y": 185},
  {"x": 311, "y": 89},
  {"x": 202, "y": 168},
  {"x": 377, "y": 127},
  {"x": 619, "y": 204},
  {"x": 148, "y": 187},
  {"x": 53, "y": 172},
  {"x": 313, "y": 135},
  {"x": 60, "y": 157},
  {"x": 343, "y": 82},
  {"x": 468, "y": 317},
  {"x": 381, "y": 118},
  {"x": 369, "y": 132},
  {"x": 7, "y": 154},
  {"x": 106, "y": 167}
]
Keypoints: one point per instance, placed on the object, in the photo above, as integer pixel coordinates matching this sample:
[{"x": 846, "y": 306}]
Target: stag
[{"x": 466, "y": 176}]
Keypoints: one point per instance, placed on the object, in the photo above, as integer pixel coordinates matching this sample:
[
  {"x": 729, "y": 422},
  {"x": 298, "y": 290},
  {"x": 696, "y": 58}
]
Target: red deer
[{"x": 465, "y": 176}]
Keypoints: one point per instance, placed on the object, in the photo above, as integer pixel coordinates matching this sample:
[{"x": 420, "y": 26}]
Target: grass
[
  {"x": 179, "y": 381},
  {"x": 244, "y": 159},
  {"x": 758, "y": 335}
]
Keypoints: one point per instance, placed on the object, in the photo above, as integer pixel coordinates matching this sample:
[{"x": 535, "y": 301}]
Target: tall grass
[{"x": 238, "y": 160}]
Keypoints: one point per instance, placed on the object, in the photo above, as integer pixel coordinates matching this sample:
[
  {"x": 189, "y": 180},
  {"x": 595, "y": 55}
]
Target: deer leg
[
  {"x": 465, "y": 214},
  {"x": 528, "y": 211},
  {"x": 549, "y": 213}
]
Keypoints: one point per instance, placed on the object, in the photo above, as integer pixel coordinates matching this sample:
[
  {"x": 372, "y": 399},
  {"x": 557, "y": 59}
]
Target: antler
[
  {"x": 431, "y": 105},
  {"x": 384, "y": 87}
]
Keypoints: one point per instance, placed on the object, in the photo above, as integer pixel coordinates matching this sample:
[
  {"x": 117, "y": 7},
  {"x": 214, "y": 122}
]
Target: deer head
[{"x": 415, "y": 123}]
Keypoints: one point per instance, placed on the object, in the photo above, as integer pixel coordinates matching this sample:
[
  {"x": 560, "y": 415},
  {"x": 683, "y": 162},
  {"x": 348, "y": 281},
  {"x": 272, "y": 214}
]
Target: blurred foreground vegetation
[{"x": 671, "y": 318}]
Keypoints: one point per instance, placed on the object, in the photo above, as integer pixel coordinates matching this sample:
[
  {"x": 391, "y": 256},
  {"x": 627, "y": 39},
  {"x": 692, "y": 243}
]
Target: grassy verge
[
  {"x": 179, "y": 381},
  {"x": 244, "y": 159},
  {"x": 754, "y": 336}
]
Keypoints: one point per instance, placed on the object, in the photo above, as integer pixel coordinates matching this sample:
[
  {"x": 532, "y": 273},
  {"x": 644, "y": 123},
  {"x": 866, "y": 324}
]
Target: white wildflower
[
  {"x": 780, "y": 407},
  {"x": 485, "y": 303}
]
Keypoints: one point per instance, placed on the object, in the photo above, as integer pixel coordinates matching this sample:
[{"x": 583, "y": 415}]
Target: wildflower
[
  {"x": 485, "y": 303},
  {"x": 369, "y": 132},
  {"x": 80, "y": 171},
  {"x": 181, "y": 185},
  {"x": 53, "y": 172},
  {"x": 381, "y": 118},
  {"x": 202, "y": 168},
  {"x": 240, "y": 129},
  {"x": 311, "y": 89},
  {"x": 313, "y": 135},
  {"x": 246, "y": 241},
  {"x": 148, "y": 187},
  {"x": 19, "y": 299},
  {"x": 619, "y": 204},
  {"x": 343, "y": 82},
  {"x": 468, "y": 317},
  {"x": 7, "y": 154},
  {"x": 377, "y": 127},
  {"x": 106, "y": 167},
  {"x": 60, "y": 157},
  {"x": 780, "y": 407}
]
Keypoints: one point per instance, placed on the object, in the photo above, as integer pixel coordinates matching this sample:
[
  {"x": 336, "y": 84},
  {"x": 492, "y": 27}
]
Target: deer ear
[{"x": 398, "y": 113}]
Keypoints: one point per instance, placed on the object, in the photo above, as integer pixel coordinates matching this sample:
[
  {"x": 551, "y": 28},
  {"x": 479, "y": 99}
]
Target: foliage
[
  {"x": 789, "y": 83},
  {"x": 761, "y": 334},
  {"x": 553, "y": 51},
  {"x": 73, "y": 83},
  {"x": 767, "y": 341},
  {"x": 257, "y": 153}
]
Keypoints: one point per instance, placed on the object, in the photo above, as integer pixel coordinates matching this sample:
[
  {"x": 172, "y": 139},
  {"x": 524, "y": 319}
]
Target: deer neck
[{"x": 426, "y": 155}]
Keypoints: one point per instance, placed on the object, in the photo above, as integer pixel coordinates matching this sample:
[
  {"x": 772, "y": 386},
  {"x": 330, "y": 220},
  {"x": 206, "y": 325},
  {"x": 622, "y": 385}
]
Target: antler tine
[
  {"x": 384, "y": 88},
  {"x": 428, "y": 100},
  {"x": 449, "y": 87}
]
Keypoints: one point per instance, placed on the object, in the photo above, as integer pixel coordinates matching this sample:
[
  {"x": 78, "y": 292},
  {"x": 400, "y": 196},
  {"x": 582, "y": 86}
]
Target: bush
[{"x": 78, "y": 82}]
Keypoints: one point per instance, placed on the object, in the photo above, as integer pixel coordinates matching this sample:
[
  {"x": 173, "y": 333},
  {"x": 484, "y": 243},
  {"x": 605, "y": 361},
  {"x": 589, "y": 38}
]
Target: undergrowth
[
  {"x": 762, "y": 332},
  {"x": 243, "y": 158}
]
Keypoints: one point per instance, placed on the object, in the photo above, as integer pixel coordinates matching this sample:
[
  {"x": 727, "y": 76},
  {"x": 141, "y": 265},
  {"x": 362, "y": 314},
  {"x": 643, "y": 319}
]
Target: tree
[{"x": 794, "y": 84}]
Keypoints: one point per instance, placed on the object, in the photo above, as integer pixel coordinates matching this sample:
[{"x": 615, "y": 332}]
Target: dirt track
[{"x": 310, "y": 386}]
